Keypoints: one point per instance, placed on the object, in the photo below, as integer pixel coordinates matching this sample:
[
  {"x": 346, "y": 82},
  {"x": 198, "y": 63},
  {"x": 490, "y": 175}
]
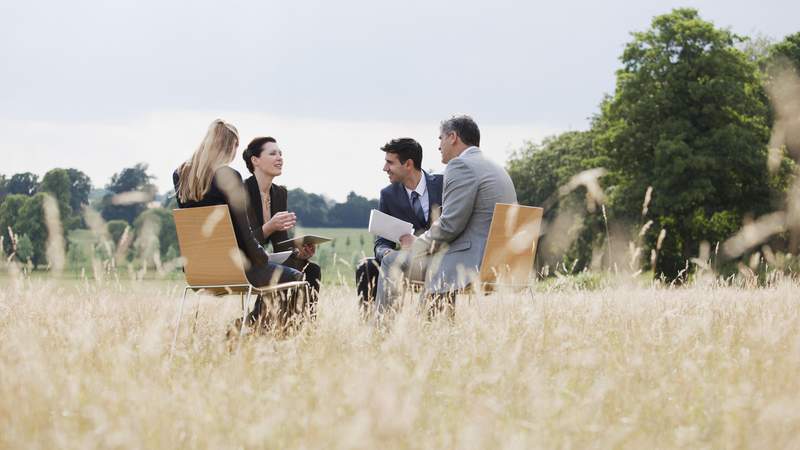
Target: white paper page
[
  {"x": 388, "y": 227},
  {"x": 280, "y": 257}
]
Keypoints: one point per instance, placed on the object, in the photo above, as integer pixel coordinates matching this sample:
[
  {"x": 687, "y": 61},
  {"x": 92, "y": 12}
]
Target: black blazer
[
  {"x": 394, "y": 201},
  {"x": 245, "y": 235},
  {"x": 277, "y": 202}
]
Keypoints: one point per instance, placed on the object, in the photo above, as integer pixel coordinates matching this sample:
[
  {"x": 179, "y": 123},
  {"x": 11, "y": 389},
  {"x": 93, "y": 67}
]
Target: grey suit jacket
[{"x": 472, "y": 186}]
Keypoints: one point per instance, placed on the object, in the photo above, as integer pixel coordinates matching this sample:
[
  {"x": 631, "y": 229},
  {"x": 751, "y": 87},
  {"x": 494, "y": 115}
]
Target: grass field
[
  {"x": 86, "y": 365},
  {"x": 339, "y": 258}
]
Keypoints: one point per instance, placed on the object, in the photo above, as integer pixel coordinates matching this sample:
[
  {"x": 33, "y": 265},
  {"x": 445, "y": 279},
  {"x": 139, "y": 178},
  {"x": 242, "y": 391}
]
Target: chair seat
[{"x": 229, "y": 289}]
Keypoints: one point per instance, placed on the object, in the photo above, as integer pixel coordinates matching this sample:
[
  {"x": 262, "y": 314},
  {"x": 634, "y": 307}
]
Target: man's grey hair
[{"x": 464, "y": 127}]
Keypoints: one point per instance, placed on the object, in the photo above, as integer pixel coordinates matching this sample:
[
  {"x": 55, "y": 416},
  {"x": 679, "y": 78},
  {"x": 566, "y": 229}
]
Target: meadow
[
  {"x": 631, "y": 364},
  {"x": 339, "y": 258}
]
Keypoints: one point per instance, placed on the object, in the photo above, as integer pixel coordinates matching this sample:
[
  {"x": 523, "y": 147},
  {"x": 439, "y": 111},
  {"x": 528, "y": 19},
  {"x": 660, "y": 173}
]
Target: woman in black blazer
[
  {"x": 269, "y": 209},
  {"x": 205, "y": 180}
]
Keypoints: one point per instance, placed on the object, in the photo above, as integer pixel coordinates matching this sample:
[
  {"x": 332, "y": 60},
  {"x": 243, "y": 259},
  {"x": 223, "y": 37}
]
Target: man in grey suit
[{"x": 447, "y": 256}]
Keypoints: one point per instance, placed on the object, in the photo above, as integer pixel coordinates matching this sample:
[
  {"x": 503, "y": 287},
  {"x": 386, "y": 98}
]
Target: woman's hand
[
  {"x": 281, "y": 221},
  {"x": 306, "y": 251}
]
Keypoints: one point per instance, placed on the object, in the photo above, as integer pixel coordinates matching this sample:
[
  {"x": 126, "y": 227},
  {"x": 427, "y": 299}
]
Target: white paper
[
  {"x": 388, "y": 227},
  {"x": 280, "y": 257}
]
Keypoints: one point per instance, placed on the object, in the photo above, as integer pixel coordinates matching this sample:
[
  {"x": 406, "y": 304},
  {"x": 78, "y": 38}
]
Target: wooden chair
[
  {"x": 510, "y": 251},
  {"x": 510, "y": 248},
  {"x": 213, "y": 261}
]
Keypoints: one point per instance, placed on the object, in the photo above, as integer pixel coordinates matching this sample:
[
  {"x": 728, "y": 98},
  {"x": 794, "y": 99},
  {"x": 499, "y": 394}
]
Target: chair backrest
[
  {"x": 208, "y": 246},
  {"x": 511, "y": 245}
]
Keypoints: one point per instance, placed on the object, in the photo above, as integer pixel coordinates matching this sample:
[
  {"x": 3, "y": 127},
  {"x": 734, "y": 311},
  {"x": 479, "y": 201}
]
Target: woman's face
[{"x": 270, "y": 162}]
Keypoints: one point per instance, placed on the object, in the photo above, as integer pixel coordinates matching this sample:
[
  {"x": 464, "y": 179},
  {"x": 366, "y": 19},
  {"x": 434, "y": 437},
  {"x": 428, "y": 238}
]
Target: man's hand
[
  {"x": 279, "y": 222},
  {"x": 306, "y": 251},
  {"x": 407, "y": 240}
]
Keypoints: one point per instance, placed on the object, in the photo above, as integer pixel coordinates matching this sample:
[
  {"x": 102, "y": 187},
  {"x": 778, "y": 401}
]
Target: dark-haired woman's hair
[{"x": 254, "y": 148}]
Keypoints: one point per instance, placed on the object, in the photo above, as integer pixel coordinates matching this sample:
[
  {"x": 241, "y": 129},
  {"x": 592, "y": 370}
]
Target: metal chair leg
[
  {"x": 244, "y": 312},
  {"x": 178, "y": 323}
]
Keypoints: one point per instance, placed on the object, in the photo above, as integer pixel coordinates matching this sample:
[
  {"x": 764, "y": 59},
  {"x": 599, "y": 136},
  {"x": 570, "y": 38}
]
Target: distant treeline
[
  {"x": 313, "y": 210},
  {"x": 134, "y": 217}
]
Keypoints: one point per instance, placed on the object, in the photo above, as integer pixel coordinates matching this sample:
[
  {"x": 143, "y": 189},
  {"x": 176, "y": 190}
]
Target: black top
[
  {"x": 278, "y": 201},
  {"x": 394, "y": 202},
  {"x": 236, "y": 199}
]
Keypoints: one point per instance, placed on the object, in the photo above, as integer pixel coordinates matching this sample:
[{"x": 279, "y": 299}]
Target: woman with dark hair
[
  {"x": 206, "y": 180},
  {"x": 268, "y": 209}
]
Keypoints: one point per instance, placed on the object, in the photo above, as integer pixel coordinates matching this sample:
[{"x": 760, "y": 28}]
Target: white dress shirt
[{"x": 422, "y": 190}]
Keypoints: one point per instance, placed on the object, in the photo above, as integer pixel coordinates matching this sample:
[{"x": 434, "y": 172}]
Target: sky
[{"x": 103, "y": 85}]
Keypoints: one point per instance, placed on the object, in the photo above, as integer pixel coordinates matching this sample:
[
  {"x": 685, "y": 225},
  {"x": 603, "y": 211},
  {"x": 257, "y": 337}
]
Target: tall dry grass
[{"x": 85, "y": 365}]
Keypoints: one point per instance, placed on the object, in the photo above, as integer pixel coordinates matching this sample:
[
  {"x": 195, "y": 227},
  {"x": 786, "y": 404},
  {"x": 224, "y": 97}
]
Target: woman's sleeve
[
  {"x": 230, "y": 183},
  {"x": 280, "y": 200}
]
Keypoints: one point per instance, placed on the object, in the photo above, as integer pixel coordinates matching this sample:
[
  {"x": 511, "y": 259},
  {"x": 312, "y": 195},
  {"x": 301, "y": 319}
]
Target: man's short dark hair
[
  {"x": 465, "y": 128},
  {"x": 254, "y": 148},
  {"x": 405, "y": 149}
]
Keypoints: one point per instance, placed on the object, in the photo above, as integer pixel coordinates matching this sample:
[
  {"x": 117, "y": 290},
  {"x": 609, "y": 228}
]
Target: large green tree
[
  {"x": 9, "y": 212},
  {"x": 130, "y": 180},
  {"x": 788, "y": 48},
  {"x": 540, "y": 172},
  {"x": 311, "y": 209},
  {"x": 162, "y": 223},
  {"x": 353, "y": 213},
  {"x": 80, "y": 187},
  {"x": 31, "y": 222},
  {"x": 23, "y": 183},
  {"x": 56, "y": 182},
  {"x": 690, "y": 118},
  {"x": 3, "y": 187}
]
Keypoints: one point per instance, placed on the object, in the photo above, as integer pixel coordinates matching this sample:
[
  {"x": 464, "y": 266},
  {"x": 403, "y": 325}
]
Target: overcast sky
[{"x": 102, "y": 85}]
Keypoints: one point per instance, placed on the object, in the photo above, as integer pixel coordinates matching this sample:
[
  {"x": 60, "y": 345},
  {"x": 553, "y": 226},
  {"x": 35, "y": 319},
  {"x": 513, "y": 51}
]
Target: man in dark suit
[{"x": 414, "y": 196}]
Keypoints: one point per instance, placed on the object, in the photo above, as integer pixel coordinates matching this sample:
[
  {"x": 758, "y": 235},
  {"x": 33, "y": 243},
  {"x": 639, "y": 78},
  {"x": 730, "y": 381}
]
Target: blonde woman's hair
[{"x": 217, "y": 149}]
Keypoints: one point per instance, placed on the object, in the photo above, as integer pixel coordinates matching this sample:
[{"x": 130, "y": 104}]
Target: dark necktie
[{"x": 416, "y": 205}]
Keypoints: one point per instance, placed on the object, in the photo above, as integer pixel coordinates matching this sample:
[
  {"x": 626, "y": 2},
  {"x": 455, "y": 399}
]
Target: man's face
[
  {"x": 397, "y": 171},
  {"x": 447, "y": 141}
]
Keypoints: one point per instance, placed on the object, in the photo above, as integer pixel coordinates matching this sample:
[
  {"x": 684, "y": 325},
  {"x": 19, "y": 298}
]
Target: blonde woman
[{"x": 205, "y": 180}]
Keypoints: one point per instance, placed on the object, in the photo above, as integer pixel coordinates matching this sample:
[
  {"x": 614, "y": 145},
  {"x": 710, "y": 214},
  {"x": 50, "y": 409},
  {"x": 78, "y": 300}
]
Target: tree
[
  {"x": 3, "y": 188},
  {"x": 788, "y": 48},
  {"x": 56, "y": 182},
  {"x": 130, "y": 180},
  {"x": 163, "y": 225},
  {"x": 538, "y": 172},
  {"x": 311, "y": 209},
  {"x": 690, "y": 118},
  {"x": 23, "y": 183},
  {"x": 353, "y": 213},
  {"x": 31, "y": 221},
  {"x": 80, "y": 187},
  {"x": 9, "y": 212},
  {"x": 115, "y": 229},
  {"x": 24, "y": 248}
]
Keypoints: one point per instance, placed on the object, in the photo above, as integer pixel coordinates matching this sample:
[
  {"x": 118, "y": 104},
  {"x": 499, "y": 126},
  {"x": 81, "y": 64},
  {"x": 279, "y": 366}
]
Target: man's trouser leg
[
  {"x": 396, "y": 267},
  {"x": 367, "y": 281}
]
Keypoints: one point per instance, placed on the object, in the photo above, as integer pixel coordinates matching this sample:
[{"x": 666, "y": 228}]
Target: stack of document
[{"x": 388, "y": 227}]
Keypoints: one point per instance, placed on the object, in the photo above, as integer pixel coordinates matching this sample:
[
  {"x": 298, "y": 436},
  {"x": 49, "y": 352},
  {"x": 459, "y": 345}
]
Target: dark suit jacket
[
  {"x": 245, "y": 233},
  {"x": 277, "y": 202},
  {"x": 394, "y": 201}
]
